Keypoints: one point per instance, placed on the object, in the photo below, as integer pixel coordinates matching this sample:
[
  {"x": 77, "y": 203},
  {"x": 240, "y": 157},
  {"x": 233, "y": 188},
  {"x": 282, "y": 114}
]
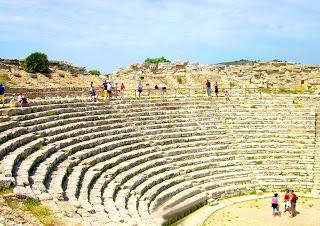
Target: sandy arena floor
[{"x": 259, "y": 213}]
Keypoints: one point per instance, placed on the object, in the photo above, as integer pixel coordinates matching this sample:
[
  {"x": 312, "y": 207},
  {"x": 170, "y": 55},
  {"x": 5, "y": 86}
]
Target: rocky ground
[{"x": 13, "y": 212}]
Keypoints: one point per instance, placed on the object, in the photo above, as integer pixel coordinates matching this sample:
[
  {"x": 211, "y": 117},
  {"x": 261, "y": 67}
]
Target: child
[{"x": 275, "y": 205}]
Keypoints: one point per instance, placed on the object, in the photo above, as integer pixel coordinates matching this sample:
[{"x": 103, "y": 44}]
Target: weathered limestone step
[
  {"x": 29, "y": 165},
  {"x": 10, "y": 161},
  {"x": 11, "y": 133},
  {"x": 17, "y": 142},
  {"x": 47, "y": 167},
  {"x": 7, "y": 125}
]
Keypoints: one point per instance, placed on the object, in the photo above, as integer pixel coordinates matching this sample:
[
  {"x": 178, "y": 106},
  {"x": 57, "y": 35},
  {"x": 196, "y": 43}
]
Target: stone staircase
[{"x": 151, "y": 162}]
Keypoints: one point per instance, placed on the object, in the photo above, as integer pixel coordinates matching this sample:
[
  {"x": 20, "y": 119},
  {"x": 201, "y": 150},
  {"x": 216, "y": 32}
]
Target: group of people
[
  {"x": 111, "y": 89},
  {"x": 216, "y": 90},
  {"x": 290, "y": 201},
  {"x": 22, "y": 99}
]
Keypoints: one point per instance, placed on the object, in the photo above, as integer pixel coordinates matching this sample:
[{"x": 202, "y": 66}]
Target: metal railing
[{"x": 147, "y": 93}]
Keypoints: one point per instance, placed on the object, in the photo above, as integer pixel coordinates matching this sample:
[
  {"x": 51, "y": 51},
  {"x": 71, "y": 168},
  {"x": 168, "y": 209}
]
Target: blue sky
[{"x": 107, "y": 34}]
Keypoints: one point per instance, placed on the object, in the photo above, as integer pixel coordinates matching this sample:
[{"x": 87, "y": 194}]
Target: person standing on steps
[
  {"x": 93, "y": 92},
  {"x": 122, "y": 87},
  {"x": 109, "y": 90},
  {"x": 208, "y": 84},
  {"x": 140, "y": 88},
  {"x": 226, "y": 95},
  {"x": 2, "y": 91},
  {"x": 105, "y": 85},
  {"x": 216, "y": 89}
]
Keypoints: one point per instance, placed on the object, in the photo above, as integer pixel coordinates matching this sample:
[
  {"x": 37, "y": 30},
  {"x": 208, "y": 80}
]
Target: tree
[
  {"x": 36, "y": 62},
  {"x": 156, "y": 60},
  {"x": 94, "y": 72}
]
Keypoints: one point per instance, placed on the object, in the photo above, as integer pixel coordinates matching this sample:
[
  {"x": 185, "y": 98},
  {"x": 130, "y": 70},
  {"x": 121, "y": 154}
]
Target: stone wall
[{"x": 264, "y": 74}]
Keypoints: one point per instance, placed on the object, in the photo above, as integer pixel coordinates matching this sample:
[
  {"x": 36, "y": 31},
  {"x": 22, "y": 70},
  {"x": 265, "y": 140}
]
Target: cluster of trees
[
  {"x": 94, "y": 72},
  {"x": 156, "y": 60}
]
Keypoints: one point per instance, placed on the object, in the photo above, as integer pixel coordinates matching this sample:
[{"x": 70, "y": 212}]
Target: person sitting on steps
[{"x": 22, "y": 100}]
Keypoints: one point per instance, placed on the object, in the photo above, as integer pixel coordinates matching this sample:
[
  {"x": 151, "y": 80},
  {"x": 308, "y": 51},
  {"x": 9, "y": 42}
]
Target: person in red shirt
[
  {"x": 122, "y": 87},
  {"x": 287, "y": 203},
  {"x": 293, "y": 200}
]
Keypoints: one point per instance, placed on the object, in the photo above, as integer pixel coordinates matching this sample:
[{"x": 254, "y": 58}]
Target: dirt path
[{"x": 259, "y": 213}]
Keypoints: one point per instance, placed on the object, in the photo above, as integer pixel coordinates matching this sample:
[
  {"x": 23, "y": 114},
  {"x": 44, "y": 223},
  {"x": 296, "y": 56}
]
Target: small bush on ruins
[
  {"x": 156, "y": 60},
  {"x": 94, "y": 72},
  {"x": 36, "y": 62}
]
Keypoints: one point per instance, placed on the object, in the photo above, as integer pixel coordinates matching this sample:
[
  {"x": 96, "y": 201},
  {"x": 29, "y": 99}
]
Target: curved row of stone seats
[
  {"x": 135, "y": 162},
  {"x": 272, "y": 136}
]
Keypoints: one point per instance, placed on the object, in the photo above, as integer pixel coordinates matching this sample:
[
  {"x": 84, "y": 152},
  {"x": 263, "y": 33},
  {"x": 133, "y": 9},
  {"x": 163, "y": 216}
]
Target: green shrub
[
  {"x": 94, "y": 72},
  {"x": 156, "y": 60},
  {"x": 179, "y": 79},
  {"x": 36, "y": 62}
]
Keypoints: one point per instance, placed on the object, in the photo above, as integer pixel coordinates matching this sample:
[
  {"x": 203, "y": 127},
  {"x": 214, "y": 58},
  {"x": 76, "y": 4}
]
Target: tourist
[
  {"x": 293, "y": 202},
  {"x": 93, "y": 93},
  {"x": 216, "y": 90},
  {"x": 275, "y": 205},
  {"x": 122, "y": 87},
  {"x": 156, "y": 87},
  {"x": 140, "y": 88},
  {"x": 116, "y": 89},
  {"x": 105, "y": 85},
  {"x": 287, "y": 203},
  {"x": 2, "y": 91},
  {"x": 208, "y": 84},
  {"x": 109, "y": 89},
  {"x": 22, "y": 100},
  {"x": 226, "y": 94}
]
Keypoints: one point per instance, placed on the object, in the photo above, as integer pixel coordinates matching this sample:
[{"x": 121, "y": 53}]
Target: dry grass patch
[{"x": 41, "y": 212}]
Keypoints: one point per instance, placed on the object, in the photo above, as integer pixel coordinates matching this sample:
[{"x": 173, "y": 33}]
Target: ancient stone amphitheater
[{"x": 153, "y": 161}]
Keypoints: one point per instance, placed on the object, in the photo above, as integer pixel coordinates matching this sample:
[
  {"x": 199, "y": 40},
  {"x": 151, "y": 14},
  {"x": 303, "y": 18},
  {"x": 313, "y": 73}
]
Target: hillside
[
  {"x": 236, "y": 74},
  {"x": 275, "y": 74},
  {"x": 61, "y": 74}
]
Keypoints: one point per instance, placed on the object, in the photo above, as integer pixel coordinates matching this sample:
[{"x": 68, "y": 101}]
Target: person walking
[
  {"x": 275, "y": 205},
  {"x": 105, "y": 88},
  {"x": 2, "y": 91},
  {"x": 208, "y": 84},
  {"x": 140, "y": 88},
  {"x": 216, "y": 89}
]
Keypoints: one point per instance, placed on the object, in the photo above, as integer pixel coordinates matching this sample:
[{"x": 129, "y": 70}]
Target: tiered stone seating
[{"x": 153, "y": 161}]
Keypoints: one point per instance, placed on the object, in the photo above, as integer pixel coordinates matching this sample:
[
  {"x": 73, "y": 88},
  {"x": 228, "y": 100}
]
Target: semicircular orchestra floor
[{"x": 259, "y": 212}]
